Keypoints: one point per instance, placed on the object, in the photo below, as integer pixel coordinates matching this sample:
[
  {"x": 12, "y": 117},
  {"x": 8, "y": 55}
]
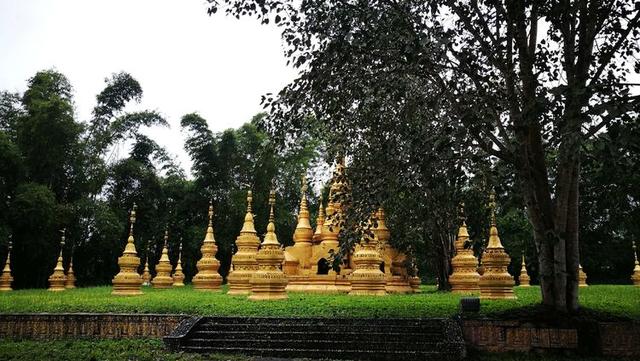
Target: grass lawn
[
  {"x": 151, "y": 350},
  {"x": 618, "y": 300}
]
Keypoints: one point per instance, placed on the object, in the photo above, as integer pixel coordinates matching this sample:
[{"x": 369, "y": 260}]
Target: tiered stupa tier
[
  {"x": 57, "y": 278},
  {"x": 128, "y": 281},
  {"x": 163, "y": 277},
  {"x": 244, "y": 263},
  {"x": 6, "y": 279},
  {"x": 496, "y": 282},
  {"x": 208, "y": 278},
  {"x": 465, "y": 276},
  {"x": 367, "y": 279},
  {"x": 525, "y": 280},
  {"x": 70, "y": 281},
  {"x": 396, "y": 275},
  {"x": 178, "y": 276},
  {"x": 635, "y": 278},
  {"x": 269, "y": 282},
  {"x": 582, "y": 277}
]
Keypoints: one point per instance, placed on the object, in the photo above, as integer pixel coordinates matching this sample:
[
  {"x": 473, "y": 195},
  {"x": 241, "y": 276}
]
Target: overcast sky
[{"x": 185, "y": 60}]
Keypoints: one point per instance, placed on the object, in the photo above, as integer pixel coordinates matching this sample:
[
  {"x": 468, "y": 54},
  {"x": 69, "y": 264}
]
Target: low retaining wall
[
  {"x": 596, "y": 338},
  {"x": 43, "y": 326}
]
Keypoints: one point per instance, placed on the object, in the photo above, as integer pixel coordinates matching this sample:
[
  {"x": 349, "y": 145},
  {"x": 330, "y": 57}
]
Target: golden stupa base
[
  {"x": 464, "y": 283},
  {"x": 415, "y": 282},
  {"x": 239, "y": 282},
  {"x": 56, "y": 282},
  {"x": 178, "y": 280},
  {"x": 325, "y": 284},
  {"x": 582, "y": 278},
  {"x": 162, "y": 282},
  {"x": 398, "y": 284},
  {"x": 525, "y": 281},
  {"x": 635, "y": 279},
  {"x": 127, "y": 284},
  {"x": 367, "y": 283},
  {"x": 70, "y": 281},
  {"x": 297, "y": 283},
  {"x": 343, "y": 283},
  {"x": 496, "y": 287},
  {"x": 5, "y": 282},
  {"x": 207, "y": 282},
  {"x": 268, "y": 286}
]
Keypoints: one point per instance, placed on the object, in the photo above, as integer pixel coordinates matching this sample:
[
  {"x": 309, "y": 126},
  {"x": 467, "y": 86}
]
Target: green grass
[
  {"x": 151, "y": 350},
  {"x": 618, "y": 300}
]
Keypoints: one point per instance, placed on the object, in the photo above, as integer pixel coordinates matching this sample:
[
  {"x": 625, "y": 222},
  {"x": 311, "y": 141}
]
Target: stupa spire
[
  {"x": 494, "y": 238},
  {"x": 178, "y": 276},
  {"x": 243, "y": 263},
  {"x": 525, "y": 280},
  {"x": 57, "y": 278},
  {"x": 317, "y": 235},
  {"x": 636, "y": 270},
  {"x": 271, "y": 237},
  {"x": 163, "y": 268},
  {"x": 464, "y": 278},
  {"x": 303, "y": 234},
  {"x": 70, "y": 280},
  {"x": 128, "y": 281},
  {"x": 6, "y": 279}
]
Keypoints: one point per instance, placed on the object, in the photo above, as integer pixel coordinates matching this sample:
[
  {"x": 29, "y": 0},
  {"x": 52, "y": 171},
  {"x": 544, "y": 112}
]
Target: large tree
[{"x": 528, "y": 80}]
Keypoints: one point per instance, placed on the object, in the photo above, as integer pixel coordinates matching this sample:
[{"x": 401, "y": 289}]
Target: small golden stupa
[
  {"x": 465, "y": 276},
  {"x": 636, "y": 270},
  {"x": 393, "y": 261},
  {"x": 243, "y": 263},
  {"x": 317, "y": 235},
  {"x": 70, "y": 281},
  {"x": 367, "y": 279},
  {"x": 582, "y": 277},
  {"x": 178, "y": 276},
  {"x": 496, "y": 283},
  {"x": 128, "y": 281},
  {"x": 208, "y": 278},
  {"x": 298, "y": 255},
  {"x": 146, "y": 275},
  {"x": 6, "y": 279},
  {"x": 163, "y": 277},
  {"x": 525, "y": 280},
  {"x": 269, "y": 282},
  {"x": 57, "y": 278}
]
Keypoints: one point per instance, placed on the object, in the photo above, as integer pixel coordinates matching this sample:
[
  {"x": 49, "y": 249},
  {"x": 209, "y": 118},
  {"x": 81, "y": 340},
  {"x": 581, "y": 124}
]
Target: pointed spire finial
[
  {"x": 249, "y": 200},
  {"x": 63, "y": 238},
  {"x": 461, "y": 215},
  {"x": 492, "y": 206},
  {"x": 166, "y": 235},
  {"x": 132, "y": 218},
  {"x": 210, "y": 212},
  {"x": 635, "y": 253},
  {"x": 272, "y": 202},
  {"x": 304, "y": 184}
]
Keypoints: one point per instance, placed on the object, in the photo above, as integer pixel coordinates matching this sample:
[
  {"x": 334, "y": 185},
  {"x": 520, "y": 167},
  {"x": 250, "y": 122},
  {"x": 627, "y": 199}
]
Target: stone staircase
[{"x": 352, "y": 339}]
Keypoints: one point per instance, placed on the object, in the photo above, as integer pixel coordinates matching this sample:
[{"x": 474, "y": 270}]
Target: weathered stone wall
[
  {"x": 91, "y": 325},
  {"x": 605, "y": 338}
]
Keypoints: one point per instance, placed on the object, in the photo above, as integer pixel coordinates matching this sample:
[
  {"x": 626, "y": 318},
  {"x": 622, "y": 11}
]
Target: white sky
[{"x": 185, "y": 60}]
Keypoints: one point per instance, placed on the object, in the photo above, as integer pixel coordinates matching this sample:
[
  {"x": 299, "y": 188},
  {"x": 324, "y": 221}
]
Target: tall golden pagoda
[
  {"x": 636, "y": 270},
  {"x": 70, "y": 281},
  {"x": 243, "y": 263},
  {"x": 496, "y": 282},
  {"x": 57, "y": 278},
  {"x": 393, "y": 261},
  {"x": 163, "y": 277},
  {"x": 582, "y": 277},
  {"x": 367, "y": 279},
  {"x": 128, "y": 281},
  {"x": 178, "y": 276},
  {"x": 297, "y": 264},
  {"x": 6, "y": 279},
  {"x": 525, "y": 280},
  {"x": 465, "y": 276},
  {"x": 208, "y": 278},
  {"x": 269, "y": 282}
]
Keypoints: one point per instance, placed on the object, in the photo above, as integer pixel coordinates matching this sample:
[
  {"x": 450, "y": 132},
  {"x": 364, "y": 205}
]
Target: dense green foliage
[{"x": 617, "y": 300}]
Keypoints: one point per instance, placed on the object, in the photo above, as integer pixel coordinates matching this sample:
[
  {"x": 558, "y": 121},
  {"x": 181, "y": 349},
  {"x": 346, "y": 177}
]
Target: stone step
[
  {"x": 317, "y": 335},
  {"x": 335, "y": 328},
  {"x": 326, "y": 321},
  {"x": 310, "y": 344},
  {"x": 374, "y": 355}
]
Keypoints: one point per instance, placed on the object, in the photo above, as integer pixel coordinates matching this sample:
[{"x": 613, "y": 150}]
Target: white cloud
[{"x": 184, "y": 59}]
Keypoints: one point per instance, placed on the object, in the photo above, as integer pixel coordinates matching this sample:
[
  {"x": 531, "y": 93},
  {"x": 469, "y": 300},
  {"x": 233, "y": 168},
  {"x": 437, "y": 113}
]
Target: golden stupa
[
  {"x": 525, "y": 280},
  {"x": 208, "y": 278},
  {"x": 243, "y": 263},
  {"x": 465, "y": 276},
  {"x": 582, "y": 277},
  {"x": 163, "y": 277},
  {"x": 496, "y": 282},
  {"x": 367, "y": 279},
  {"x": 635, "y": 278},
  {"x": 57, "y": 278},
  {"x": 269, "y": 282},
  {"x": 128, "y": 281},
  {"x": 297, "y": 257},
  {"x": 178, "y": 276},
  {"x": 6, "y": 279},
  {"x": 393, "y": 261},
  {"x": 70, "y": 281},
  {"x": 146, "y": 275}
]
